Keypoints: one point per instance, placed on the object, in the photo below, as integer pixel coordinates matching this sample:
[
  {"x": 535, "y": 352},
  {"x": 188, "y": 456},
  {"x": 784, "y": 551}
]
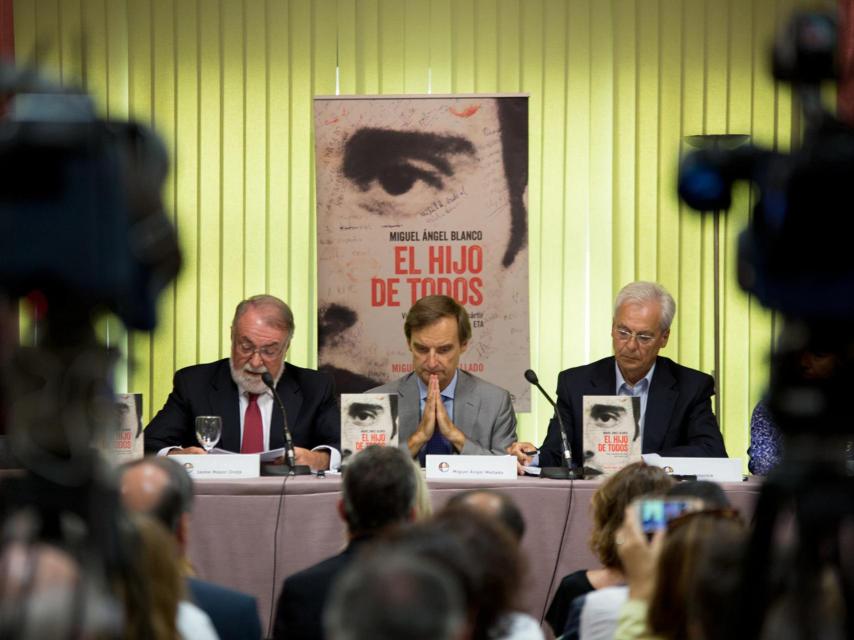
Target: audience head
[
  {"x": 494, "y": 504},
  {"x": 161, "y": 488},
  {"x": 685, "y": 548},
  {"x": 379, "y": 489},
  {"x": 387, "y": 597},
  {"x": 162, "y": 582},
  {"x": 609, "y": 504},
  {"x": 718, "y": 579},
  {"x": 711, "y": 494},
  {"x": 482, "y": 556}
]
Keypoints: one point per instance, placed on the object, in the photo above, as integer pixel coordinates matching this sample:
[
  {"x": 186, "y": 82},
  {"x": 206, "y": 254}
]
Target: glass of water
[{"x": 208, "y": 431}]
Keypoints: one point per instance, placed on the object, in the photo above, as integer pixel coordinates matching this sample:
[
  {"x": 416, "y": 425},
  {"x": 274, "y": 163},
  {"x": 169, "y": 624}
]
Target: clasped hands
[{"x": 435, "y": 415}]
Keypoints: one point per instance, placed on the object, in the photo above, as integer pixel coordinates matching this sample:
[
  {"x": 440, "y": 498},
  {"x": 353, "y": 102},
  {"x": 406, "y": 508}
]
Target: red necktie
[{"x": 253, "y": 431}]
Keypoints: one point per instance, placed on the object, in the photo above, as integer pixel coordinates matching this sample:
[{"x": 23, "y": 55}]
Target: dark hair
[
  {"x": 609, "y": 503},
  {"x": 478, "y": 552},
  {"x": 716, "y": 585},
  {"x": 430, "y": 309},
  {"x": 177, "y": 496},
  {"x": 507, "y": 514},
  {"x": 710, "y": 493},
  {"x": 387, "y": 597},
  {"x": 378, "y": 489},
  {"x": 685, "y": 546}
]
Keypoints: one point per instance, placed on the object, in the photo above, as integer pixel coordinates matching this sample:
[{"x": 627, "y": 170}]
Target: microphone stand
[
  {"x": 289, "y": 467},
  {"x": 564, "y": 472}
]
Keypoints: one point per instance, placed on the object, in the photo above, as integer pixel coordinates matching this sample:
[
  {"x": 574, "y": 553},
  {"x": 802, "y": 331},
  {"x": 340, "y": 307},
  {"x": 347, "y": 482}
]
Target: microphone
[
  {"x": 291, "y": 468},
  {"x": 564, "y": 472}
]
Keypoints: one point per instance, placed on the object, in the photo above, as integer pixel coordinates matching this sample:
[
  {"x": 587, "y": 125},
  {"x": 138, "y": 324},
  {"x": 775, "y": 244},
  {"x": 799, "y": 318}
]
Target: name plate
[
  {"x": 470, "y": 467},
  {"x": 239, "y": 465},
  {"x": 714, "y": 469}
]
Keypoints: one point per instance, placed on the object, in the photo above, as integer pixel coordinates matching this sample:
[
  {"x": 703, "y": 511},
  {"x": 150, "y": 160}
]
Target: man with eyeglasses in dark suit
[
  {"x": 676, "y": 410},
  {"x": 232, "y": 388}
]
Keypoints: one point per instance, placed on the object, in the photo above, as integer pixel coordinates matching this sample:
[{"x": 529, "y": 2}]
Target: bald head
[
  {"x": 493, "y": 504},
  {"x": 159, "y": 487},
  {"x": 142, "y": 487}
]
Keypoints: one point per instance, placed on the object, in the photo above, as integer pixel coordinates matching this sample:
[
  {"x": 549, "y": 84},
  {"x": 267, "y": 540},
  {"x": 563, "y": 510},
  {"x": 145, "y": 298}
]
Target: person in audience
[
  {"x": 170, "y": 616},
  {"x": 495, "y": 504},
  {"x": 500, "y": 509},
  {"x": 719, "y": 572},
  {"x": 766, "y": 440},
  {"x": 161, "y": 488},
  {"x": 393, "y": 597},
  {"x": 594, "y": 616},
  {"x": 608, "y": 506},
  {"x": 676, "y": 408},
  {"x": 378, "y": 492},
  {"x": 443, "y": 409},
  {"x": 663, "y": 574},
  {"x": 710, "y": 494},
  {"x": 483, "y": 557},
  {"x": 232, "y": 388}
]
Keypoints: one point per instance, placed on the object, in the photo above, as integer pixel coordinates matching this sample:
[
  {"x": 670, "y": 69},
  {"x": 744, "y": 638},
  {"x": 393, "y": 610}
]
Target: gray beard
[{"x": 247, "y": 383}]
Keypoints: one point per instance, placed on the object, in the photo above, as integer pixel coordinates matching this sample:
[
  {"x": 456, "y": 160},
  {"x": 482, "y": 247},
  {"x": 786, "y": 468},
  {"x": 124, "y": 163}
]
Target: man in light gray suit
[{"x": 442, "y": 408}]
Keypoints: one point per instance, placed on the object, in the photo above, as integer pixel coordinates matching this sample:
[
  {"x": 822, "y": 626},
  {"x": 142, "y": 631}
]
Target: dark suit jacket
[
  {"x": 208, "y": 390},
  {"x": 678, "y": 423},
  {"x": 299, "y": 613},
  {"x": 234, "y": 614}
]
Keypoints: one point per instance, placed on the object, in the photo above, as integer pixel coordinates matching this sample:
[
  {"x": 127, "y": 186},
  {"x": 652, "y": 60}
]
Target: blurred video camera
[
  {"x": 795, "y": 257},
  {"x": 795, "y": 254},
  {"x": 81, "y": 215},
  {"x": 82, "y": 230}
]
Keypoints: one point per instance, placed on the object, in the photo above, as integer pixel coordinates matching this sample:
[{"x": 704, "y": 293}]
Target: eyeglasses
[
  {"x": 624, "y": 335},
  {"x": 248, "y": 350}
]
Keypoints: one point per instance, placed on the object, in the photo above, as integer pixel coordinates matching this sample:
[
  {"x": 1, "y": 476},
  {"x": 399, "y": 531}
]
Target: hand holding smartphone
[{"x": 655, "y": 513}]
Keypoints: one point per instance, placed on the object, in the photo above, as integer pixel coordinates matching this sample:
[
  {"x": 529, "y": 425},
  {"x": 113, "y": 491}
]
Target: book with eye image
[
  {"x": 367, "y": 419},
  {"x": 123, "y": 441},
  {"x": 611, "y": 433}
]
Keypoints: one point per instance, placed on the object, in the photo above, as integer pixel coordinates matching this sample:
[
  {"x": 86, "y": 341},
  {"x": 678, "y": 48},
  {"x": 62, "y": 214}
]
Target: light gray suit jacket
[{"x": 482, "y": 411}]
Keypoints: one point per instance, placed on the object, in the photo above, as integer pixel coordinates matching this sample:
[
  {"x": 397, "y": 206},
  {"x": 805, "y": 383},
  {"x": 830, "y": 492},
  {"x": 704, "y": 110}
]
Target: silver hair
[
  {"x": 281, "y": 318},
  {"x": 642, "y": 292}
]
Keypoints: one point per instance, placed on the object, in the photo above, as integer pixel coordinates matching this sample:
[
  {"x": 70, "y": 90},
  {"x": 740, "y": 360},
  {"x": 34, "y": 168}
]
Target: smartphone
[{"x": 655, "y": 513}]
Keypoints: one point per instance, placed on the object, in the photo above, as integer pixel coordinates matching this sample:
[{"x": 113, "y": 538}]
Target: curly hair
[{"x": 609, "y": 502}]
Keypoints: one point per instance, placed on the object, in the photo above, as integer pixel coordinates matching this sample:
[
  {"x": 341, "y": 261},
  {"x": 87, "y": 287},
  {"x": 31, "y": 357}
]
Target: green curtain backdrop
[{"x": 614, "y": 86}]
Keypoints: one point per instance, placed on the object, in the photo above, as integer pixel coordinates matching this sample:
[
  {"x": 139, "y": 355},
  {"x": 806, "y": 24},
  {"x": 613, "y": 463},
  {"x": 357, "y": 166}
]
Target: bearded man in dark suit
[{"x": 232, "y": 388}]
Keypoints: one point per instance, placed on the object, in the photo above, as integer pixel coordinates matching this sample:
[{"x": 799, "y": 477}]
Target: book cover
[
  {"x": 367, "y": 419},
  {"x": 125, "y": 442},
  {"x": 611, "y": 432}
]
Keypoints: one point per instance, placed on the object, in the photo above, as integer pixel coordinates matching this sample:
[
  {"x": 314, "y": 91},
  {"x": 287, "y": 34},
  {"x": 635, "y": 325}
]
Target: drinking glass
[{"x": 208, "y": 431}]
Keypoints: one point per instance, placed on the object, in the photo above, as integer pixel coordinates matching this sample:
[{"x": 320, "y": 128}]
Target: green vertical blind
[{"x": 614, "y": 87}]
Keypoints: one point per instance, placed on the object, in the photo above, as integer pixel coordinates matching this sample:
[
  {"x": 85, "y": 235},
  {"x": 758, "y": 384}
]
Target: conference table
[{"x": 251, "y": 534}]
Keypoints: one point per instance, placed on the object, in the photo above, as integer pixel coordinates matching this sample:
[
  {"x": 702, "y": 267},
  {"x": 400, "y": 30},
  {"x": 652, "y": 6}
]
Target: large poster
[{"x": 421, "y": 195}]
